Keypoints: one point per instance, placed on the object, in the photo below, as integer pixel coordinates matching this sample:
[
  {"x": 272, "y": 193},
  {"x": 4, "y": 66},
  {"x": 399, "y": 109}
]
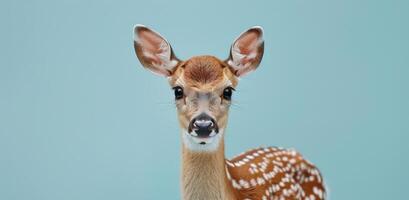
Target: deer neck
[{"x": 204, "y": 175}]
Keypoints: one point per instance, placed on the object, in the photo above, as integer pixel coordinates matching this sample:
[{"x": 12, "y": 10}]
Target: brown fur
[
  {"x": 300, "y": 170},
  {"x": 204, "y": 175},
  {"x": 203, "y": 70}
]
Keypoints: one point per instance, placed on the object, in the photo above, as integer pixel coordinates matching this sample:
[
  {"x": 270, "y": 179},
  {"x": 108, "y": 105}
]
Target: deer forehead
[{"x": 203, "y": 73}]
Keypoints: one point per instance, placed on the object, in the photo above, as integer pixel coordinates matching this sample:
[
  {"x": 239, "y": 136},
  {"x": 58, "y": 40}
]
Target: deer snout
[{"x": 203, "y": 126}]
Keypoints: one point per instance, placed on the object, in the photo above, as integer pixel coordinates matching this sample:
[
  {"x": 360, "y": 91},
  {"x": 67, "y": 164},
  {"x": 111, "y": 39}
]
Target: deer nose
[{"x": 203, "y": 125}]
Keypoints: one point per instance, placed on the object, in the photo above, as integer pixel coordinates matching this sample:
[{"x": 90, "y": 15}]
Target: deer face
[{"x": 203, "y": 85}]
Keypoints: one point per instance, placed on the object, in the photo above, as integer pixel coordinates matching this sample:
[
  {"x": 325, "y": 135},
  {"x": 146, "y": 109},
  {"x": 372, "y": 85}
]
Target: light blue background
[{"x": 81, "y": 119}]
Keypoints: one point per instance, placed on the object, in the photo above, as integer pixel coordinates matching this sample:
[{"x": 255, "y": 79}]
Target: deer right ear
[
  {"x": 153, "y": 51},
  {"x": 247, "y": 51}
]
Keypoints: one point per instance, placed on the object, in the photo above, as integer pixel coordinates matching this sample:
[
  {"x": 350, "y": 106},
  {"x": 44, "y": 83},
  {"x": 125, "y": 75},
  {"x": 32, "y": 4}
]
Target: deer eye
[
  {"x": 227, "y": 92},
  {"x": 178, "y": 92}
]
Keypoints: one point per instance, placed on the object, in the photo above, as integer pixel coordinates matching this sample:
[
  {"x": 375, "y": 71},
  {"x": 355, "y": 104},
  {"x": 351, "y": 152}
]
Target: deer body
[
  {"x": 262, "y": 173},
  {"x": 203, "y": 87}
]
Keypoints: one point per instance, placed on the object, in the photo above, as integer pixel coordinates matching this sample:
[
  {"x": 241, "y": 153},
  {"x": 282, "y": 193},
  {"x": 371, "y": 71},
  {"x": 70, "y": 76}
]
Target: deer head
[{"x": 202, "y": 85}]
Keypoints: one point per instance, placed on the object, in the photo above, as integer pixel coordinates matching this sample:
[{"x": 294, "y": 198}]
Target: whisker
[
  {"x": 166, "y": 104},
  {"x": 235, "y": 104}
]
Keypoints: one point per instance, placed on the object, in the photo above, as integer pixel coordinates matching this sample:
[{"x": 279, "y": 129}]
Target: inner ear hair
[
  {"x": 153, "y": 51},
  {"x": 246, "y": 51}
]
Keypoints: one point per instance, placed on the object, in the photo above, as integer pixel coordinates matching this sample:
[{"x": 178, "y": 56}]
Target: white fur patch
[{"x": 193, "y": 143}]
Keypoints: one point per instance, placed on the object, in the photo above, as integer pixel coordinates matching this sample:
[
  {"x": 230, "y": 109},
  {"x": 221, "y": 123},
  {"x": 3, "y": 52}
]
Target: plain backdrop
[{"x": 81, "y": 119}]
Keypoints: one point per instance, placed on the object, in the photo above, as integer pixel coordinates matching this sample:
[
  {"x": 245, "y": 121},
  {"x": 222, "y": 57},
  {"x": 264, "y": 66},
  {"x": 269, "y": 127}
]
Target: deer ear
[
  {"x": 153, "y": 51},
  {"x": 247, "y": 51}
]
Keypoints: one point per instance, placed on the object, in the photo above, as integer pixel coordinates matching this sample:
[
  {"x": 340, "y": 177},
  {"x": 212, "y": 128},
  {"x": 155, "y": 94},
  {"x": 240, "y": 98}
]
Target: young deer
[{"x": 203, "y": 88}]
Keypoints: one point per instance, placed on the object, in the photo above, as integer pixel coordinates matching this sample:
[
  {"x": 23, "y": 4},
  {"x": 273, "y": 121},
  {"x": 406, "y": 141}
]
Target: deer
[{"x": 203, "y": 87}]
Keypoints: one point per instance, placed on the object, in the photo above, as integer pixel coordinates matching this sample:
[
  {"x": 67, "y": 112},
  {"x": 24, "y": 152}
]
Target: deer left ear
[
  {"x": 153, "y": 51},
  {"x": 247, "y": 51}
]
